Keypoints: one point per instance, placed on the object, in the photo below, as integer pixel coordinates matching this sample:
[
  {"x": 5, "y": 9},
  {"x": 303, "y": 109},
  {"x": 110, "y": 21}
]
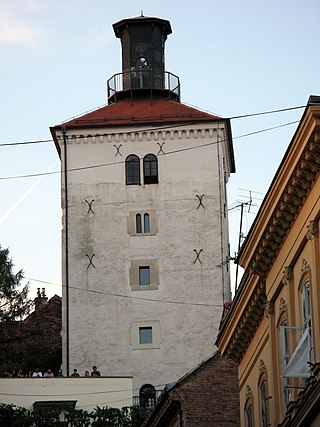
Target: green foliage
[
  {"x": 13, "y": 416},
  {"x": 78, "y": 418},
  {"x": 14, "y": 302},
  {"x": 45, "y": 417}
]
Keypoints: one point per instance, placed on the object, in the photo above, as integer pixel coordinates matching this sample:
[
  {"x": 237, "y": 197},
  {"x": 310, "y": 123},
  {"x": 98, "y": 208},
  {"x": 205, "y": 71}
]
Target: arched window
[
  {"x": 138, "y": 223},
  {"x": 306, "y": 305},
  {"x": 150, "y": 169},
  {"x": 263, "y": 403},
  {"x": 248, "y": 409},
  {"x": 132, "y": 170},
  {"x": 306, "y": 313},
  {"x": 147, "y": 395},
  {"x": 285, "y": 353},
  {"x": 146, "y": 223},
  {"x": 249, "y": 416}
]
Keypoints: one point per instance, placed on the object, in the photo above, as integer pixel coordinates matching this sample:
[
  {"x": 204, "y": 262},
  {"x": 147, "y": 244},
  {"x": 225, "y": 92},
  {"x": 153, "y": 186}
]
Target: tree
[
  {"x": 14, "y": 301},
  {"x": 14, "y": 305}
]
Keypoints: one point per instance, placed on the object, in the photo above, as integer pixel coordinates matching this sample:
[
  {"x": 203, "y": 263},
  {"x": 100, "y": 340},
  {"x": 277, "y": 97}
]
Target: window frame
[
  {"x": 150, "y": 334},
  {"x": 146, "y": 223},
  {"x": 147, "y": 396},
  {"x": 150, "y": 169},
  {"x": 134, "y": 334},
  {"x": 144, "y": 275},
  {"x": 247, "y": 406},
  {"x": 134, "y": 274},
  {"x": 132, "y": 169},
  {"x": 143, "y": 225},
  {"x": 138, "y": 224},
  {"x": 263, "y": 400}
]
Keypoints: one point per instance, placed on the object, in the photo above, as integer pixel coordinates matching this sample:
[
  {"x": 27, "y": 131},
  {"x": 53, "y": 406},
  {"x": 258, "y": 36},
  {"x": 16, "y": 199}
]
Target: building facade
[
  {"x": 272, "y": 328},
  {"x": 145, "y": 232}
]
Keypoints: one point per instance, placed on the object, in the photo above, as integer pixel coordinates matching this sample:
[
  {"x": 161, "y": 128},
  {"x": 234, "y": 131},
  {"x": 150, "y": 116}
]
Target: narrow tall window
[
  {"x": 132, "y": 170},
  {"x": 150, "y": 169},
  {"x": 307, "y": 323},
  {"x": 285, "y": 361},
  {"x": 138, "y": 223},
  {"x": 146, "y": 223},
  {"x": 249, "y": 416},
  {"x": 145, "y": 335},
  {"x": 144, "y": 276},
  {"x": 264, "y": 407},
  {"x": 306, "y": 306}
]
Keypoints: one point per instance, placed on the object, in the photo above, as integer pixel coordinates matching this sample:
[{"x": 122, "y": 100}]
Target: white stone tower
[{"x": 145, "y": 231}]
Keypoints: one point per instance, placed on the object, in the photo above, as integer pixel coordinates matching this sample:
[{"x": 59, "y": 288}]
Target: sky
[{"x": 233, "y": 58}]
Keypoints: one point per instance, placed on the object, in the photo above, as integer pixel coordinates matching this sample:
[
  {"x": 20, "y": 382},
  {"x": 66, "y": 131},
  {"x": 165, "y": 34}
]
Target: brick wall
[
  {"x": 206, "y": 397},
  {"x": 210, "y": 396}
]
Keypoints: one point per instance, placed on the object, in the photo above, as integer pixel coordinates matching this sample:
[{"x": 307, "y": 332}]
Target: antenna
[{"x": 241, "y": 235}]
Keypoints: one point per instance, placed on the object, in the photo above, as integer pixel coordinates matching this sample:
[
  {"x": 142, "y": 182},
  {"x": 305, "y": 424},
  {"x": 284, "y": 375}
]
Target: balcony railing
[{"x": 140, "y": 81}]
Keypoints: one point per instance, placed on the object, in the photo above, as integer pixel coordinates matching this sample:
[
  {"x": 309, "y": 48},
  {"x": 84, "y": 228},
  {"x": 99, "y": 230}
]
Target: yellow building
[{"x": 272, "y": 328}]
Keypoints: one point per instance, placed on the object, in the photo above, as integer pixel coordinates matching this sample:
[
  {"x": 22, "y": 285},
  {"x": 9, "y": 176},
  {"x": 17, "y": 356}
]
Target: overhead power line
[
  {"x": 167, "y": 153},
  {"x": 39, "y": 141},
  {"x": 281, "y": 110},
  {"x": 93, "y": 291}
]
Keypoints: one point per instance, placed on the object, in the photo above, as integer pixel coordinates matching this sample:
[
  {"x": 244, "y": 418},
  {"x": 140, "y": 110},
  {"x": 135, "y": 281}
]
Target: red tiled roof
[{"x": 138, "y": 111}]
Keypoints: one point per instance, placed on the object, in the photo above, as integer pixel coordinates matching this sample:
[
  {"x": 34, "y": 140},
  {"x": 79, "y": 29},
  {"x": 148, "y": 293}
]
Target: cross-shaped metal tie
[
  {"x": 118, "y": 149},
  {"x": 198, "y": 256},
  {"x": 200, "y": 200},
  {"x": 90, "y": 260},
  {"x": 89, "y": 206},
  {"x": 160, "y": 147}
]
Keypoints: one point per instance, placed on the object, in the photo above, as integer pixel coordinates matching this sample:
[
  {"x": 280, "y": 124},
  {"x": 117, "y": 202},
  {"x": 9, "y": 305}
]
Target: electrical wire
[
  {"x": 93, "y": 291},
  {"x": 167, "y": 153},
  {"x": 92, "y": 393},
  {"x": 7, "y": 144},
  {"x": 40, "y": 141}
]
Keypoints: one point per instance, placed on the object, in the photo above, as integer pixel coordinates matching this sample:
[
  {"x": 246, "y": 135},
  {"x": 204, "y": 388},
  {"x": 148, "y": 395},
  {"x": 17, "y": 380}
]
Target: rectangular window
[
  {"x": 144, "y": 276},
  {"x": 145, "y": 335}
]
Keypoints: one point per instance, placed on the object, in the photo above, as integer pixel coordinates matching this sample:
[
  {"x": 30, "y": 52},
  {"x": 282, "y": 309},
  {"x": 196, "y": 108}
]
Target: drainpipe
[{"x": 66, "y": 234}]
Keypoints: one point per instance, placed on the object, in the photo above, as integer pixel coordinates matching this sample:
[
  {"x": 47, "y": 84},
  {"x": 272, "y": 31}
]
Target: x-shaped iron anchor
[
  {"x": 90, "y": 206},
  {"x": 118, "y": 149},
  {"x": 200, "y": 200},
  {"x": 160, "y": 147},
  {"x": 198, "y": 256},
  {"x": 90, "y": 258}
]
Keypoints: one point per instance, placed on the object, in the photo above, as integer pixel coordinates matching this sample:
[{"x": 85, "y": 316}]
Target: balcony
[{"x": 145, "y": 82}]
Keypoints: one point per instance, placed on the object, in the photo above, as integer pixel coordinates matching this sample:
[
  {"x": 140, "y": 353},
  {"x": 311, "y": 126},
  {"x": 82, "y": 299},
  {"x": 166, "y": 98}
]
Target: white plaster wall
[
  {"x": 102, "y": 304},
  {"x": 88, "y": 392}
]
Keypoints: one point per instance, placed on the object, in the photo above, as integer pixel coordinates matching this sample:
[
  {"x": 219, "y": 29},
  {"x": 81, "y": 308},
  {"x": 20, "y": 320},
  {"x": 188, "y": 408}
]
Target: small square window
[
  {"x": 144, "y": 276},
  {"x": 145, "y": 335}
]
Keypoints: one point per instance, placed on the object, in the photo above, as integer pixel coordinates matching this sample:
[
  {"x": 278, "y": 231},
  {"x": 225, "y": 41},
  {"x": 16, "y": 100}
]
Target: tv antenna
[{"x": 241, "y": 205}]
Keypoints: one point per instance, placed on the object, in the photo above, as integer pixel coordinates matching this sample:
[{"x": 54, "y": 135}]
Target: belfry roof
[{"x": 140, "y": 111}]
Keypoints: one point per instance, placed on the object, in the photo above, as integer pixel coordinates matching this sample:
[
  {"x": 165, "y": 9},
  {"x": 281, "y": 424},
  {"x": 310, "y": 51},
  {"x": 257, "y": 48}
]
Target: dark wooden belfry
[{"x": 143, "y": 64}]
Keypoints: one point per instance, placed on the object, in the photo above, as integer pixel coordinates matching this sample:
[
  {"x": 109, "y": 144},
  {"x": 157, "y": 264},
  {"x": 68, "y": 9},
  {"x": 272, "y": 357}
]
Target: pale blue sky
[{"x": 232, "y": 57}]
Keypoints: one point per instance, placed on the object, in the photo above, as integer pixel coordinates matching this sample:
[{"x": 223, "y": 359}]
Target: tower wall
[{"x": 186, "y": 250}]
